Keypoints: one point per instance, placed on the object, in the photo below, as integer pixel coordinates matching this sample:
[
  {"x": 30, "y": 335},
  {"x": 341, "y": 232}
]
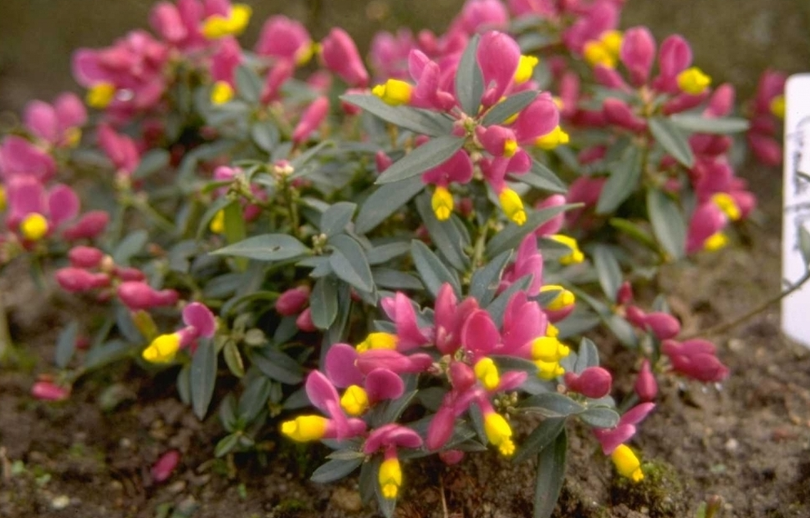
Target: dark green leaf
[
  {"x": 390, "y": 411},
  {"x": 129, "y": 246},
  {"x": 248, "y": 83},
  {"x": 622, "y": 329},
  {"x": 634, "y": 231},
  {"x": 336, "y": 217},
  {"x": 433, "y": 271},
  {"x": 622, "y": 182},
  {"x": 413, "y": 119},
  {"x": 66, "y": 345},
  {"x": 227, "y": 412},
  {"x": 668, "y": 223},
  {"x": 541, "y": 177},
  {"x": 226, "y": 444},
  {"x": 278, "y": 366},
  {"x": 152, "y": 162},
  {"x": 349, "y": 262},
  {"x": 497, "y": 307},
  {"x": 699, "y": 124},
  {"x": 203, "y": 376},
  {"x": 485, "y": 281},
  {"x": 550, "y": 476},
  {"x": 430, "y": 154},
  {"x": 511, "y": 236},
  {"x": 254, "y": 398},
  {"x": 184, "y": 384},
  {"x": 395, "y": 279},
  {"x": 672, "y": 140},
  {"x": 323, "y": 302},
  {"x": 384, "y": 201},
  {"x": 383, "y": 253},
  {"x": 233, "y": 359},
  {"x": 265, "y": 135},
  {"x": 608, "y": 270},
  {"x": 469, "y": 79},
  {"x": 600, "y": 417},
  {"x": 542, "y": 436},
  {"x": 105, "y": 353},
  {"x": 552, "y": 404},
  {"x": 447, "y": 237},
  {"x": 587, "y": 355},
  {"x": 509, "y": 106},
  {"x": 267, "y": 247}
]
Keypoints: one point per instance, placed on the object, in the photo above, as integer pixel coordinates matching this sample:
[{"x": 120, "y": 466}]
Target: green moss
[{"x": 657, "y": 493}]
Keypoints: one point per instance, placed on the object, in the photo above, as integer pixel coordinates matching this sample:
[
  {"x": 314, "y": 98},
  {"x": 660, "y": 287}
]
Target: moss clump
[{"x": 659, "y": 494}]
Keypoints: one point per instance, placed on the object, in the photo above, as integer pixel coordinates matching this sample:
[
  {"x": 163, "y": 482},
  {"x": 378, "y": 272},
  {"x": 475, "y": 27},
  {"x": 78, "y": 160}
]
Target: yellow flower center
[
  {"x": 487, "y": 373},
  {"x": 693, "y": 81},
  {"x": 576, "y": 256},
  {"x": 234, "y": 24},
  {"x": 221, "y": 93},
  {"x": 217, "y": 225},
  {"x": 715, "y": 242},
  {"x": 100, "y": 95},
  {"x": 442, "y": 203},
  {"x": 563, "y": 299},
  {"x": 390, "y": 478},
  {"x": 510, "y": 147},
  {"x": 162, "y": 349},
  {"x": 726, "y": 203},
  {"x": 627, "y": 464},
  {"x": 499, "y": 433},
  {"x": 394, "y": 92},
  {"x": 305, "y": 428},
  {"x": 306, "y": 53},
  {"x": 354, "y": 400},
  {"x": 549, "y": 349},
  {"x": 552, "y": 139},
  {"x": 378, "y": 340},
  {"x": 612, "y": 41},
  {"x": 34, "y": 227},
  {"x": 512, "y": 206},
  {"x": 777, "y": 106},
  {"x": 525, "y": 69},
  {"x": 549, "y": 370},
  {"x": 597, "y": 53}
]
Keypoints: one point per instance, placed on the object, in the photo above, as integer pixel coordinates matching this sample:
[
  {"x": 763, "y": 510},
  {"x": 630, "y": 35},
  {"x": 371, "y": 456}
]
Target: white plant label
[{"x": 796, "y": 307}]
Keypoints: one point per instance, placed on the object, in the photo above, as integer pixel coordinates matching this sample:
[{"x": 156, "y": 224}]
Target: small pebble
[
  {"x": 732, "y": 445},
  {"x": 60, "y": 502}
]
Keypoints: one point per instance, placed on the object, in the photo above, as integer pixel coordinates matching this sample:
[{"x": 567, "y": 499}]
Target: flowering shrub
[{"x": 420, "y": 245}]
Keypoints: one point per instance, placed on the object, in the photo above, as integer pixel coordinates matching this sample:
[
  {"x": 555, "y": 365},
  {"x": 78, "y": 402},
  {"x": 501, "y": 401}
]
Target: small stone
[
  {"x": 347, "y": 499},
  {"x": 177, "y": 487},
  {"x": 60, "y": 502},
  {"x": 732, "y": 445}
]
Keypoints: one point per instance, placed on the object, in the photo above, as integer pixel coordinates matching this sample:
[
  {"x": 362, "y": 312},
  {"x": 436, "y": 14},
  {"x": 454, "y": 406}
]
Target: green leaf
[
  {"x": 446, "y": 235},
  {"x": 349, "y": 263},
  {"x": 384, "y": 201},
  {"x": 152, "y": 162},
  {"x": 278, "y": 365},
  {"x": 550, "y": 476},
  {"x": 66, "y": 345},
  {"x": 395, "y": 279},
  {"x": 509, "y": 106},
  {"x": 233, "y": 359},
  {"x": 227, "y": 412},
  {"x": 430, "y": 154},
  {"x": 335, "y": 218},
  {"x": 672, "y": 140},
  {"x": 552, "y": 404},
  {"x": 265, "y": 135},
  {"x": 323, "y": 302},
  {"x": 203, "y": 376},
  {"x": 600, "y": 417},
  {"x": 511, "y": 236},
  {"x": 634, "y": 231},
  {"x": 106, "y": 353},
  {"x": 129, "y": 246},
  {"x": 699, "y": 124},
  {"x": 622, "y": 182},
  {"x": 413, "y": 119},
  {"x": 667, "y": 222},
  {"x": 623, "y": 330},
  {"x": 541, "y": 177},
  {"x": 433, "y": 271},
  {"x": 587, "y": 355},
  {"x": 267, "y": 247},
  {"x": 608, "y": 271},
  {"x": 469, "y": 79},
  {"x": 226, "y": 444},
  {"x": 381, "y": 254},
  {"x": 248, "y": 84},
  {"x": 485, "y": 281},
  {"x": 543, "y": 435},
  {"x": 254, "y": 398},
  {"x": 390, "y": 411},
  {"x": 211, "y": 212}
]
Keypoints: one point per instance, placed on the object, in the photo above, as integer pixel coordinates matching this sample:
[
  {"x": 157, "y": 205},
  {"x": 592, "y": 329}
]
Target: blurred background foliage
[{"x": 734, "y": 40}]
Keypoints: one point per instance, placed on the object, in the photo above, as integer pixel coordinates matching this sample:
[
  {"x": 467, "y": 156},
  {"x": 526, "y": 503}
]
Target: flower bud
[
  {"x": 165, "y": 466},
  {"x": 304, "y": 321},
  {"x": 451, "y": 457},
  {"x": 340, "y": 56},
  {"x": 646, "y": 387},
  {"x": 292, "y": 301},
  {"x": 139, "y": 295},
  {"x": 619, "y": 113},
  {"x": 461, "y": 376},
  {"x": 127, "y": 273},
  {"x": 383, "y": 161},
  {"x": 85, "y": 256},
  {"x": 49, "y": 391},
  {"x": 637, "y": 53},
  {"x": 625, "y": 294},
  {"x": 76, "y": 279},
  {"x": 663, "y": 325},
  {"x": 636, "y": 316},
  {"x": 593, "y": 382},
  {"x": 90, "y": 225},
  {"x": 312, "y": 117}
]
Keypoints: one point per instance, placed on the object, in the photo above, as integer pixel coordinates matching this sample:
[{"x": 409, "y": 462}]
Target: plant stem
[
  {"x": 725, "y": 326},
  {"x": 5, "y": 334}
]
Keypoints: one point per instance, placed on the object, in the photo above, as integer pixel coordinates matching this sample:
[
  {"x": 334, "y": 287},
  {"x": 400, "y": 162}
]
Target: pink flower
[
  {"x": 340, "y": 56},
  {"x": 593, "y": 382},
  {"x": 619, "y": 112},
  {"x": 637, "y": 53},
  {"x": 225, "y": 61},
  {"x": 18, "y": 157},
  {"x": 53, "y": 123},
  {"x": 646, "y": 387},
  {"x": 49, "y": 391},
  {"x": 85, "y": 256},
  {"x": 285, "y": 39},
  {"x": 674, "y": 56},
  {"x": 611, "y": 438},
  {"x": 696, "y": 359},
  {"x": 400, "y": 310},
  {"x": 165, "y": 466},
  {"x": 74, "y": 279},
  {"x": 120, "y": 149},
  {"x": 292, "y": 301},
  {"x": 139, "y": 295},
  {"x": 88, "y": 226},
  {"x": 498, "y": 56},
  {"x": 311, "y": 119}
]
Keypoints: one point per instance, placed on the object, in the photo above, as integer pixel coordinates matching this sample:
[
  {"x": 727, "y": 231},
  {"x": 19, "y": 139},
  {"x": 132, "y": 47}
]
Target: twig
[
  {"x": 444, "y": 500},
  {"x": 725, "y": 326}
]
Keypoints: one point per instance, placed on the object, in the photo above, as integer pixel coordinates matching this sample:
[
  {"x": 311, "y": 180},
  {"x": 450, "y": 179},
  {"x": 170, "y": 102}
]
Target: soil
[{"x": 744, "y": 445}]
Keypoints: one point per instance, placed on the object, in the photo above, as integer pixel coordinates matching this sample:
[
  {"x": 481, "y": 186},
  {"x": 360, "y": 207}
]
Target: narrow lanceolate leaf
[
  {"x": 426, "y": 156},
  {"x": 433, "y": 271},
  {"x": 469, "y": 79},
  {"x": 134, "y": 243},
  {"x": 542, "y": 436},
  {"x": 336, "y": 217},
  {"x": 203, "y": 376},
  {"x": 672, "y": 140},
  {"x": 600, "y": 417},
  {"x": 278, "y": 366},
  {"x": 265, "y": 135},
  {"x": 336, "y": 469},
  {"x": 152, "y": 162},
  {"x": 485, "y": 280},
  {"x": 700, "y": 124},
  {"x": 550, "y": 476},
  {"x": 668, "y": 223},
  {"x": 349, "y": 263},
  {"x": 323, "y": 302},
  {"x": 447, "y": 237},
  {"x": 608, "y": 271},
  {"x": 248, "y": 83},
  {"x": 541, "y": 177},
  {"x": 552, "y": 404},
  {"x": 267, "y": 247},
  {"x": 233, "y": 359},
  {"x": 66, "y": 345},
  {"x": 381, "y": 254},
  {"x": 413, "y": 119},
  {"x": 384, "y": 201},
  {"x": 587, "y": 355},
  {"x": 509, "y": 106},
  {"x": 510, "y": 237},
  {"x": 622, "y": 182}
]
